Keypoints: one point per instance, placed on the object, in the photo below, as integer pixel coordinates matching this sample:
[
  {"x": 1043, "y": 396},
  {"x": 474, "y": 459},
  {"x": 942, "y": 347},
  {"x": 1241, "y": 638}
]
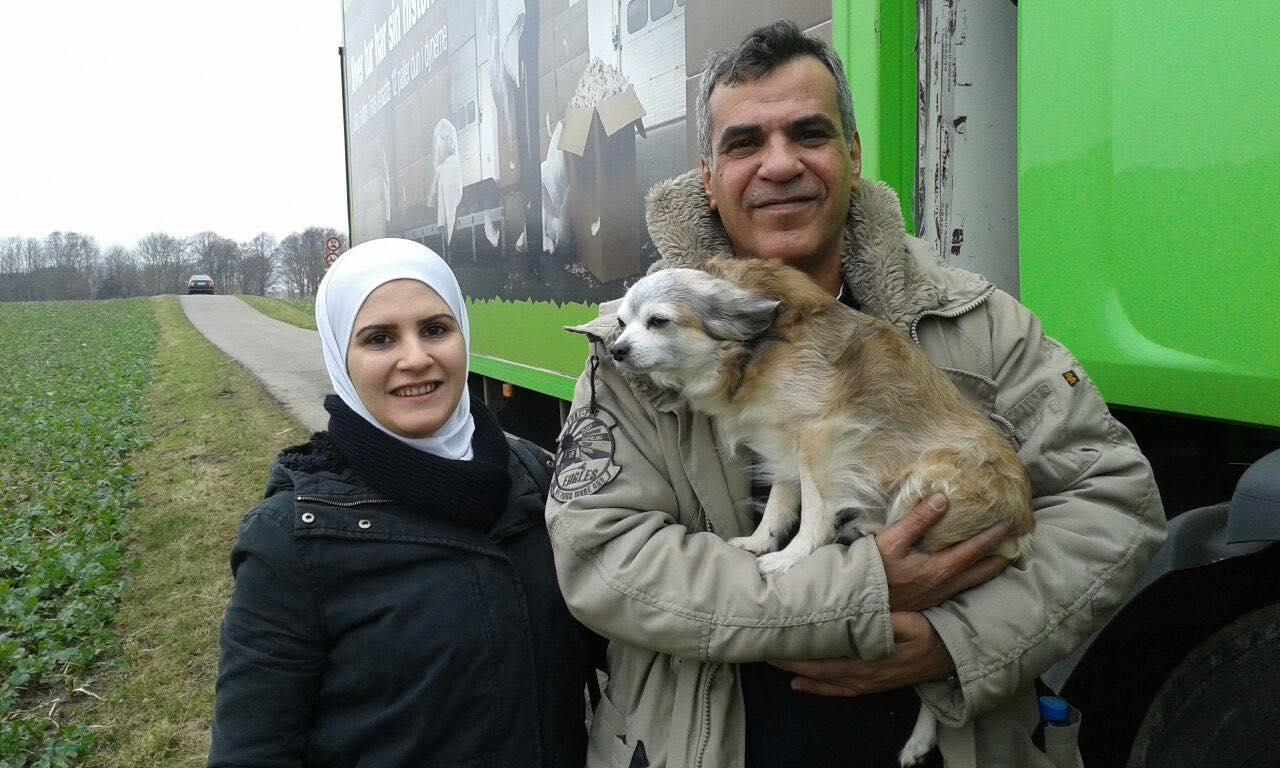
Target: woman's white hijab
[{"x": 343, "y": 291}]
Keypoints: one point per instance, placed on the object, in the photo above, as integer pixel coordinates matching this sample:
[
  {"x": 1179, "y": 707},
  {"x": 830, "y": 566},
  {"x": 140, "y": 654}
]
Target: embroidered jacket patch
[{"x": 584, "y": 463}]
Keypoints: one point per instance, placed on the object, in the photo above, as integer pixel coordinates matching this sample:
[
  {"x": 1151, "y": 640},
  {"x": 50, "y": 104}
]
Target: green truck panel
[
  {"x": 876, "y": 39},
  {"x": 1149, "y": 198},
  {"x": 522, "y": 342}
]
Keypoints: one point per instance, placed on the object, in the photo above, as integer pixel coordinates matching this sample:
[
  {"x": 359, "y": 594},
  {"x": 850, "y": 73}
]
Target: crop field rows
[{"x": 71, "y": 387}]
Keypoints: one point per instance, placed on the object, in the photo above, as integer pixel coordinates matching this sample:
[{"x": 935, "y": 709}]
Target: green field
[
  {"x": 70, "y": 419},
  {"x": 131, "y": 449}
]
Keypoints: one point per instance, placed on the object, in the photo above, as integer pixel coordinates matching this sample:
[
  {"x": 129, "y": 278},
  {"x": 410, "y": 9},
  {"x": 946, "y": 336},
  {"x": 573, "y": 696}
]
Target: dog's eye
[
  {"x": 658, "y": 322},
  {"x": 621, "y": 324}
]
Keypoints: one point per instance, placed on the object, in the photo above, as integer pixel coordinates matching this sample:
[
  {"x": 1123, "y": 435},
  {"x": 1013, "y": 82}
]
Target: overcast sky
[{"x": 129, "y": 117}]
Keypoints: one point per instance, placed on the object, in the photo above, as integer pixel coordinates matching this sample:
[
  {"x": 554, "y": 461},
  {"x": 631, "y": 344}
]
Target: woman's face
[{"x": 407, "y": 358}]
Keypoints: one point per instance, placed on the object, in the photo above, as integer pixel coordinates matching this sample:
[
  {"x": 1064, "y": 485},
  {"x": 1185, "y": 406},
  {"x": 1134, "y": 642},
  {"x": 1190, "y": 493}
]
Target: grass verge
[
  {"x": 213, "y": 432},
  {"x": 299, "y": 312}
]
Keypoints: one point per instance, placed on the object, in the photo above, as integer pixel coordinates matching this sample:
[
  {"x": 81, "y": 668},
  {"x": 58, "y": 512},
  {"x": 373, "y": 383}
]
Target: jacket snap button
[
  {"x": 308, "y": 518},
  {"x": 365, "y": 524}
]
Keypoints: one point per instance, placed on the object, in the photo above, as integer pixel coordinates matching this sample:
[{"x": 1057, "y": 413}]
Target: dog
[{"x": 845, "y": 412}]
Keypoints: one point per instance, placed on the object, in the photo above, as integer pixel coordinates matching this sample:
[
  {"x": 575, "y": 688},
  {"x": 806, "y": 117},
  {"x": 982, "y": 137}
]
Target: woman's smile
[{"x": 415, "y": 390}]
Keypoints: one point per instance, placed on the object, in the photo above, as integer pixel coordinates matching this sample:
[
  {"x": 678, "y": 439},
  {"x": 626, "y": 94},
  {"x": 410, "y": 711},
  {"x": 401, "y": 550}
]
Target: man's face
[{"x": 781, "y": 173}]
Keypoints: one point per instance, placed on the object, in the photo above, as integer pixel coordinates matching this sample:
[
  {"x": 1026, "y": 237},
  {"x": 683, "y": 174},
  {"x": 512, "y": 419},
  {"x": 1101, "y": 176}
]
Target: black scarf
[{"x": 472, "y": 493}]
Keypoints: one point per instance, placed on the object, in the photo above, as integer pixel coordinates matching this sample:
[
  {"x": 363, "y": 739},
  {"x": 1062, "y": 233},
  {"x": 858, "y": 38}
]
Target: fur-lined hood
[{"x": 892, "y": 275}]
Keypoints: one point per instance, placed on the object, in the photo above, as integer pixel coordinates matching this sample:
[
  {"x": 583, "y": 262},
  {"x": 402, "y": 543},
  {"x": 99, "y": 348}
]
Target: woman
[{"x": 395, "y": 601}]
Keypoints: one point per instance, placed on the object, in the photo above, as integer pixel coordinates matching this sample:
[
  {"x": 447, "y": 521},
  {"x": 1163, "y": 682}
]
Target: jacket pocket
[
  {"x": 981, "y": 392},
  {"x": 607, "y": 745},
  {"x": 1012, "y": 735},
  {"x": 1061, "y": 742},
  {"x": 976, "y": 388}
]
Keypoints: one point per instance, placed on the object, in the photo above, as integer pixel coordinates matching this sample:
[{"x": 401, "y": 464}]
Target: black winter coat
[{"x": 360, "y": 634}]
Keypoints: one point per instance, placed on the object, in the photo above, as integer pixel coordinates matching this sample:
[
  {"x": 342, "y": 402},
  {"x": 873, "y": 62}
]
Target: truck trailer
[{"x": 1114, "y": 164}]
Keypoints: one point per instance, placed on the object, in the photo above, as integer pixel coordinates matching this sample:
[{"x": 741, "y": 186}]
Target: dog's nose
[{"x": 620, "y": 351}]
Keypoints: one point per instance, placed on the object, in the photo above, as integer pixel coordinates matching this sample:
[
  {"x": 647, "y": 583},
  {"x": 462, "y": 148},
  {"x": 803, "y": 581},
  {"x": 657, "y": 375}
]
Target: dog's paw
[
  {"x": 912, "y": 755},
  {"x": 777, "y": 562},
  {"x": 924, "y": 736},
  {"x": 754, "y": 545}
]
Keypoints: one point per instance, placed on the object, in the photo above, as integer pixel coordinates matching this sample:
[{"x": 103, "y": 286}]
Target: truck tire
[{"x": 1221, "y": 705}]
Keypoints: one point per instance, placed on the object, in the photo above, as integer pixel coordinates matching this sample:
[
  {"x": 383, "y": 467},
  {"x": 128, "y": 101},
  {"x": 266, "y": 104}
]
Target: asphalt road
[{"x": 285, "y": 358}]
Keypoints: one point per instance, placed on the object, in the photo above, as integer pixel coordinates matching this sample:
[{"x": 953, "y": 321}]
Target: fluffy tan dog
[{"x": 848, "y": 416}]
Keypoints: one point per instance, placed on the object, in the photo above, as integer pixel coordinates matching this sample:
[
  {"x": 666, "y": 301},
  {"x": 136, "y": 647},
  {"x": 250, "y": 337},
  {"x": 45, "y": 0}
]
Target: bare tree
[
  {"x": 82, "y": 254},
  {"x": 82, "y": 251},
  {"x": 293, "y": 257},
  {"x": 216, "y": 256},
  {"x": 226, "y": 261},
  {"x": 119, "y": 275},
  {"x": 200, "y": 248},
  {"x": 302, "y": 258},
  {"x": 163, "y": 259},
  {"x": 257, "y": 266},
  {"x": 39, "y": 285},
  {"x": 55, "y": 250},
  {"x": 58, "y": 264},
  {"x": 67, "y": 265},
  {"x": 32, "y": 255},
  {"x": 13, "y": 279}
]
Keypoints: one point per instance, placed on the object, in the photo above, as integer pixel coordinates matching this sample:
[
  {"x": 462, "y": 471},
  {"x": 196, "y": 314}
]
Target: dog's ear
[{"x": 737, "y": 315}]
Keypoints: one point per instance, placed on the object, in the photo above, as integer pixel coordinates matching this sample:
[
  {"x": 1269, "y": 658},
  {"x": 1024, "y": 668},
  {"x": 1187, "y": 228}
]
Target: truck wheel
[{"x": 1221, "y": 705}]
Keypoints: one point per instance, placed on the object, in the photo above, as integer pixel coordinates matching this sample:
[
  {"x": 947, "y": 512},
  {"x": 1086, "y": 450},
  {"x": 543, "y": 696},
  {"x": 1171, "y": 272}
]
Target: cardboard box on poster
[{"x": 604, "y": 193}]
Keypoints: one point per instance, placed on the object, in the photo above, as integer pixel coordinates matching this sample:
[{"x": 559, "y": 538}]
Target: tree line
[{"x": 71, "y": 265}]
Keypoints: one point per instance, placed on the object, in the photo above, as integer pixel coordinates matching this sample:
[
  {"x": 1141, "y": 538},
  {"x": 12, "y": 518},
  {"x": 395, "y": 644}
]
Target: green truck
[{"x": 1115, "y": 165}]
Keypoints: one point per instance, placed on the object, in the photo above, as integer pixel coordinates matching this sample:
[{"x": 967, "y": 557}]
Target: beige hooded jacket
[{"x": 644, "y": 498}]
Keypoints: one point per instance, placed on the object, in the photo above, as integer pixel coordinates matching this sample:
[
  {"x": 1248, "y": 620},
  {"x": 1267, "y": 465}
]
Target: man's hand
[
  {"x": 918, "y": 657},
  {"x": 919, "y": 580}
]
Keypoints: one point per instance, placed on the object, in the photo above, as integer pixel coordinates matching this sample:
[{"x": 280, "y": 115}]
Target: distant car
[{"x": 200, "y": 284}]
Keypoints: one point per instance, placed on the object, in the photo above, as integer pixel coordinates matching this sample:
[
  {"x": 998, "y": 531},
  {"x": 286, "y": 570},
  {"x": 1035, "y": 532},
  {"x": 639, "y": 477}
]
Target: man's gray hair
[{"x": 764, "y": 50}]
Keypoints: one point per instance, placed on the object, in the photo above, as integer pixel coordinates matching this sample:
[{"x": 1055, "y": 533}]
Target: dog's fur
[{"x": 847, "y": 415}]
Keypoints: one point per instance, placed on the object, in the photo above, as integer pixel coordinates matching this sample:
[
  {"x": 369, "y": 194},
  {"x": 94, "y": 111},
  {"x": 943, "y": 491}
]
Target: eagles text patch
[{"x": 584, "y": 463}]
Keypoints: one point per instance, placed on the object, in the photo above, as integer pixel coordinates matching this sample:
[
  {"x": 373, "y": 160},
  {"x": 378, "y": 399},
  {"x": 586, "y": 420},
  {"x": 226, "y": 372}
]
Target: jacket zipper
[
  {"x": 706, "y": 714},
  {"x": 960, "y": 310},
  {"x": 348, "y": 504}
]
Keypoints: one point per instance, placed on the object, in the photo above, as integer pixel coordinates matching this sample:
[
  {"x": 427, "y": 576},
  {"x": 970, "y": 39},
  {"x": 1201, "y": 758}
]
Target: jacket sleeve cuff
[
  {"x": 872, "y": 635},
  {"x": 947, "y": 699}
]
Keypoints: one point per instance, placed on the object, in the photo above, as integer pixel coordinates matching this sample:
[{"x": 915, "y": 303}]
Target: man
[{"x": 642, "y": 504}]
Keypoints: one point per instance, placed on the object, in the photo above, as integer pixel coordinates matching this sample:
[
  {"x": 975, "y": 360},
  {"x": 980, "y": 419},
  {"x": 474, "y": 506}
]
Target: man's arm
[
  {"x": 917, "y": 580},
  {"x": 918, "y": 657},
  {"x": 1098, "y": 522}
]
